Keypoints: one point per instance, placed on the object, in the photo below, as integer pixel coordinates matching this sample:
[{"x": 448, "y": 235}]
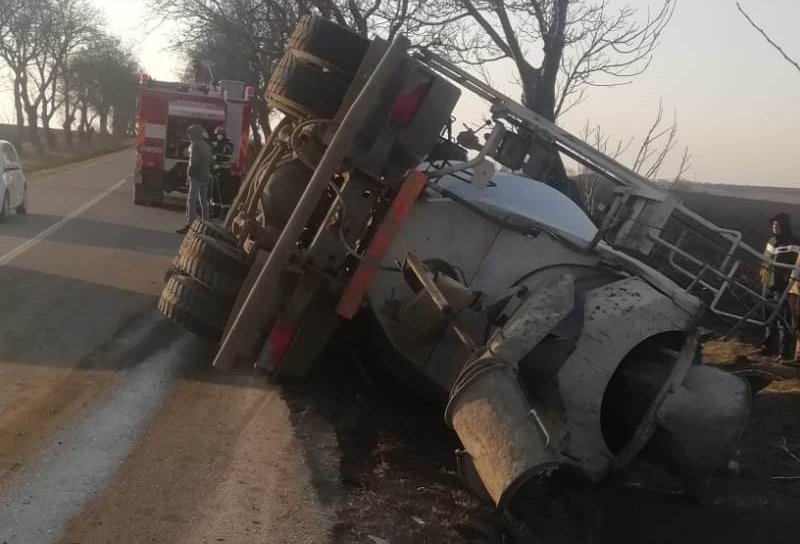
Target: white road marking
[{"x": 22, "y": 248}]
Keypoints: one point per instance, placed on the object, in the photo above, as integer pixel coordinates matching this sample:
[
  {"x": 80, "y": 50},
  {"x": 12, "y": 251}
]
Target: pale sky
[{"x": 736, "y": 98}]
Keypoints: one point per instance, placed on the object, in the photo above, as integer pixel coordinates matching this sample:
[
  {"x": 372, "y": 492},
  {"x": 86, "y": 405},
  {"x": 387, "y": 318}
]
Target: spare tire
[
  {"x": 194, "y": 307},
  {"x": 330, "y": 42},
  {"x": 301, "y": 88}
]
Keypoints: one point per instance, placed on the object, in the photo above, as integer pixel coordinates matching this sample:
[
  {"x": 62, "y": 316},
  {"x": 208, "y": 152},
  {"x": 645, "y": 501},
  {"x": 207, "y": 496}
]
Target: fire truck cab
[{"x": 164, "y": 112}]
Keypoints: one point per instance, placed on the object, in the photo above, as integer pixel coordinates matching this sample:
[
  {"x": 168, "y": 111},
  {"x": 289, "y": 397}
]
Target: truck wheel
[
  {"x": 330, "y": 42},
  {"x": 213, "y": 277},
  {"x": 302, "y": 88},
  {"x": 194, "y": 307},
  {"x": 215, "y": 254},
  {"x": 144, "y": 195},
  {"x": 137, "y": 197}
]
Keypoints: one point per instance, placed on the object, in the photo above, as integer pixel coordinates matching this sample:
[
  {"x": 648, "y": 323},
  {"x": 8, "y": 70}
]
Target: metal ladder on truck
[{"x": 640, "y": 214}]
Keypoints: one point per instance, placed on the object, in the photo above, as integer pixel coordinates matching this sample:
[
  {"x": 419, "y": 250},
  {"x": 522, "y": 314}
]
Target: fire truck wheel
[
  {"x": 217, "y": 232},
  {"x": 330, "y": 42},
  {"x": 301, "y": 88},
  {"x": 215, "y": 254},
  {"x": 144, "y": 195},
  {"x": 213, "y": 277},
  {"x": 194, "y": 307}
]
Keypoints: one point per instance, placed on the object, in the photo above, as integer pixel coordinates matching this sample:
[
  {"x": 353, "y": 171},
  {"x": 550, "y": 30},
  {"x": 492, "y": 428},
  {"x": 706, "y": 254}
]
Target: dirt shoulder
[
  {"x": 399, "y": 483},
  {"x": 770, "y": 447},
  {"x": 220, "y": 463}
]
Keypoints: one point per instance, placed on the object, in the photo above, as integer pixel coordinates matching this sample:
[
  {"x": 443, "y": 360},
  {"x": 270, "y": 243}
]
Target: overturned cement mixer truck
[{"x": 553, "y": 346}]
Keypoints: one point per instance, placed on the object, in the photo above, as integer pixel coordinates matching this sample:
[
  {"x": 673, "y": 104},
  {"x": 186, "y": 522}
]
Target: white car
[{"x": 13, "y": 184}]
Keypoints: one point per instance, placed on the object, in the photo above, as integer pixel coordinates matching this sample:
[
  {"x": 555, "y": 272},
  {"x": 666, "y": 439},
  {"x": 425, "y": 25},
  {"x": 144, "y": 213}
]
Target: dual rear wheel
[{"x": 204, "y": 280}]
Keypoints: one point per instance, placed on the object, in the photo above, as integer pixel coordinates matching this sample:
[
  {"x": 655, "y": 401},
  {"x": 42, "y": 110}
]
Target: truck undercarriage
[{"x": 554, "y": 347}]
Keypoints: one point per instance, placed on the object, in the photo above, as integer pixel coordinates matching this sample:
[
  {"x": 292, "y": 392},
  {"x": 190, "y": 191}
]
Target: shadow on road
[
  {"x": 90, "y": 232},
  {"x": 48, "y": 319}
]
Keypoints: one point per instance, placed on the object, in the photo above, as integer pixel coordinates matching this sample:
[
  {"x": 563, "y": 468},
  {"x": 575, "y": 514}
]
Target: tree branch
[{"x": 761, "y": 31}]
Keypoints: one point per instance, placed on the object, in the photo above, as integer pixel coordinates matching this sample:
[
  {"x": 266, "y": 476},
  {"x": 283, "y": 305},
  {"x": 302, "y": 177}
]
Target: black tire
[
  {"x": 194, "y": 307},
  {"x": 221, "y": 283},
  {"x": 147, "y": 195},
  {"x": 5, "y": 210},
  {"x": 330, "y": 42},
  {"x": 217, "y": 232},
  {"x": 137, "y": 197},
  {"x": 301, "y": 88},
  {"x": 215, "y": 254},
  {"x": 22, "y": 209}
]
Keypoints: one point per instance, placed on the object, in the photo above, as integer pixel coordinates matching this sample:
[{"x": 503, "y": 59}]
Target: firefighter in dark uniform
[{"x": 222, "y": 151}]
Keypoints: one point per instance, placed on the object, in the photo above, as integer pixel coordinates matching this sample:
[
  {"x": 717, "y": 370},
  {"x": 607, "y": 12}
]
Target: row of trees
[
  {"x": 559, "y": 49},
  {"x": 64, "y": 68}
]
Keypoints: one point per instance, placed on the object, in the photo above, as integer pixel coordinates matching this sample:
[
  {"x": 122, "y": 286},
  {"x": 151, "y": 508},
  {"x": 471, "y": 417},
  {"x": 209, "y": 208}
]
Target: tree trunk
[
  {"x": 545, "y": 163},
  {"x": 83, "y": 127},
  {"x": 19, "y": 111},
  {"x": 104, "y": 122},
  {"x": 46, "y": 116},
  {"x": 69, "y": 119},
  {"x": 33, "y": 123},
  {"x": 67, "y": 127},
  {"x": 117, "y": 125}
]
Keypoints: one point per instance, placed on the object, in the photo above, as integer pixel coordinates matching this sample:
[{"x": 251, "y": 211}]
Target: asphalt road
[{"x": 112, "y": 426}]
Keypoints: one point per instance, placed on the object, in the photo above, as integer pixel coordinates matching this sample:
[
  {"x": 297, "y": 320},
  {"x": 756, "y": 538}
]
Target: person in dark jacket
[
  {"x": 198, "y": 173},
  {"x": 779, "y": 337}
]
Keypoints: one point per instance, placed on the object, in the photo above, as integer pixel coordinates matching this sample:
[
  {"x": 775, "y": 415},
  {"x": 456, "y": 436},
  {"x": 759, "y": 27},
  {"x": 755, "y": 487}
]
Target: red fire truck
[{"x": 165, "y": 111}]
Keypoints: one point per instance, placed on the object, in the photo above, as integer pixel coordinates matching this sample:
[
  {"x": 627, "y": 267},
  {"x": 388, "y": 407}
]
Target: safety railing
[{"x": 640, "y": 213}]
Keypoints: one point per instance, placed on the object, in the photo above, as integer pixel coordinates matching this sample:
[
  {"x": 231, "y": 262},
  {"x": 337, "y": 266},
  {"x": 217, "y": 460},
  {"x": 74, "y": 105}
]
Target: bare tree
[
  {"x": 385, "y": 18},
  {"x": 656, "y": 147},
  {"x": 559, "y": 48},
  {"x": 103, "y": 87},
  {"x": 764, "y": 34},
  {"x": 73, "y": 24},
  {"x": 244, "y": 39},
  {"x": 596, "y": 189},
  {"x": 21, "y": 43},
  {"x": 238, "y": 39}
]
